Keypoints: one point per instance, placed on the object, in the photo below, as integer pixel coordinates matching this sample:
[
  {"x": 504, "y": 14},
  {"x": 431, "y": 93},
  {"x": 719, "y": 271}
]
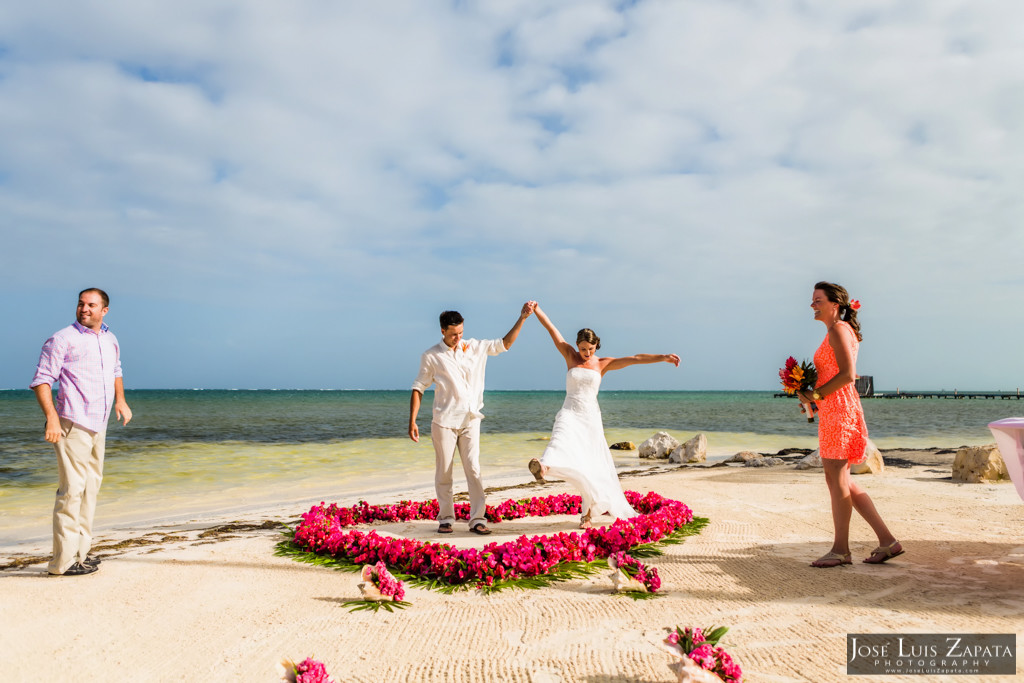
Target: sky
[{"x": 287, "y": 194}]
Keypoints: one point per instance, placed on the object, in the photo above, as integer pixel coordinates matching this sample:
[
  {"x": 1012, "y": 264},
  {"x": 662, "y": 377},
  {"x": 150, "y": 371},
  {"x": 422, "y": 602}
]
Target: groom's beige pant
[
  {"x": 467, "y": 440},
  {"x": 80, "y": 468}
]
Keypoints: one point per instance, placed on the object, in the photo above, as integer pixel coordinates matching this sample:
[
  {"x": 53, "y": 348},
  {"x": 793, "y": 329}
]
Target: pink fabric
[
  {"x": 84, "y": 365},
  {"x": 1009, "y": 434}
]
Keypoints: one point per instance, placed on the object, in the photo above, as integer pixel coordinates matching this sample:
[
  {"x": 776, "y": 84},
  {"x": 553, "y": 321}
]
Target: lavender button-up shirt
[{"x": 84, "y": 364}]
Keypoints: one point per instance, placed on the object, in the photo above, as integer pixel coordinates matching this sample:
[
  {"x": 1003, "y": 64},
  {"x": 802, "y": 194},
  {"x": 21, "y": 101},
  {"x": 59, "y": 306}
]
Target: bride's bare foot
[
  {"x": 585, "y": 521},
  {"x": 537, "y": 470}
]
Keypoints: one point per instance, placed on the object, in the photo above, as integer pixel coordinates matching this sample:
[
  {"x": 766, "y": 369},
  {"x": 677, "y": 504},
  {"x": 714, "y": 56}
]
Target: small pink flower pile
[
  {"x": 322, "y": 531},
  {"x": 387, "y": 584},
  {"x": 307, "y": 671},
  {"x": 635, "y": 569},
  {"x": 701, "y": 646}
]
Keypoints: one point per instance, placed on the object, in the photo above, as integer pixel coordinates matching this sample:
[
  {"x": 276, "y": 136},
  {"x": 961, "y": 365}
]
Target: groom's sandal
[
  {"x": 444, "y": 528},
  {"x": 884, "y": 553},
  {"x": 536, "y": 469},
  {"x": 480, "y": 529},
  {"x": 829, "y": 560}
]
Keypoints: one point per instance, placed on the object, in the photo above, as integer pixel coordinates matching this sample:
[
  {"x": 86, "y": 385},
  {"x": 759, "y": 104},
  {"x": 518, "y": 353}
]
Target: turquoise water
[{"x": 190, "y": 452}]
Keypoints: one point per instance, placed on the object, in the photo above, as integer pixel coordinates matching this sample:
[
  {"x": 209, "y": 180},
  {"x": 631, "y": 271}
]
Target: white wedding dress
[{"x": 578, "y": 451}]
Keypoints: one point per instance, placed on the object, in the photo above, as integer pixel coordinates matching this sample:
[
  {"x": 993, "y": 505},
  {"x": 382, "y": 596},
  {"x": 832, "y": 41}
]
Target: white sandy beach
[{"x": 196, "y": 604}]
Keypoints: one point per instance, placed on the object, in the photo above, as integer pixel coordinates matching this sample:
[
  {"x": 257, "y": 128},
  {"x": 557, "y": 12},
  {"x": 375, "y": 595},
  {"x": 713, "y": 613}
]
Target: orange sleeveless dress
[{"x": 842, "y": 431}]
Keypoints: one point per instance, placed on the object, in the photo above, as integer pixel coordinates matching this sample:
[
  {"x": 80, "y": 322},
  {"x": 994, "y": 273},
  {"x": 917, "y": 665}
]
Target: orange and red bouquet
[{"x": 799, "y": 377}]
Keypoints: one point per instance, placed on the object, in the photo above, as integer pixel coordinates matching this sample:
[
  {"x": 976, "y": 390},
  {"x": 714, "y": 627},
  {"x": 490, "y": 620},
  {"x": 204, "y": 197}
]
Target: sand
[{"x": 202, "y": 601}]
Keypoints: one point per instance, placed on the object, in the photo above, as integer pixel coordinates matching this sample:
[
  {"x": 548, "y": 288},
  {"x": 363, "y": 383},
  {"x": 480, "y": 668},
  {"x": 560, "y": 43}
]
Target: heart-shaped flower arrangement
[{"x": 528, "y": 562}]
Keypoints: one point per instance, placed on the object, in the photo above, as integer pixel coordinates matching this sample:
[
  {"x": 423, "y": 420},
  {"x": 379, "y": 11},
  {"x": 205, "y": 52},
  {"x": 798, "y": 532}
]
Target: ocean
[{"x": 215, "y": 452}]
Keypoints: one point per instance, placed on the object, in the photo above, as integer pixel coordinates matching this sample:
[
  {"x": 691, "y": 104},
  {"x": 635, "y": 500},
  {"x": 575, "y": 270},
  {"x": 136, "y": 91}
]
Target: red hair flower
[{"x": 854, "y": 304}]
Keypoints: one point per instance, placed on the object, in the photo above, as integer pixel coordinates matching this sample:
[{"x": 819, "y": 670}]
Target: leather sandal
[
  {"x": 884, "y": 553},
  {"x": 444, "y": 528},
  {"x": 480, "y": 529},
  {"x": 829, "y": 560}
]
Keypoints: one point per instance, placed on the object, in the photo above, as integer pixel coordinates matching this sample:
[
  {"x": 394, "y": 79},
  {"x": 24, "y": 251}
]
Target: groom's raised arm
[{"x": 513, "y": 334}]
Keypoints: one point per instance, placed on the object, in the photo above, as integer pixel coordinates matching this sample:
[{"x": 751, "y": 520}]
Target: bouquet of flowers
[
  {"x": 698, "y": 647},
  {"x": 307, "y": 671},
  {"x": 379, "y": 589},
  {"x": 799, "y": 377},
  {"x": 631, "y": 576}
]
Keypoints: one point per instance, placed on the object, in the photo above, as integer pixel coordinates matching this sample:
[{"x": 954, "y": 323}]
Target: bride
[{"x": 578, "y": 452}]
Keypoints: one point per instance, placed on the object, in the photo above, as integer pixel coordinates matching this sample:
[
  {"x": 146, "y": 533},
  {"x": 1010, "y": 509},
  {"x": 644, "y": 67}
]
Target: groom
[{"x": 456, "y": 366}]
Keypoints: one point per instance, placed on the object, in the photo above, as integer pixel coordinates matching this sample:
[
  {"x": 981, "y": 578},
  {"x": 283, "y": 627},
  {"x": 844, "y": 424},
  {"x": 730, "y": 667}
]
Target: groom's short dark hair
[{"x": 449, "y": 318}]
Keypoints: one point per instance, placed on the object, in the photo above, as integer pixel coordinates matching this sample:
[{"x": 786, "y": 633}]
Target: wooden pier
[{"x": 1004, "y": 395}]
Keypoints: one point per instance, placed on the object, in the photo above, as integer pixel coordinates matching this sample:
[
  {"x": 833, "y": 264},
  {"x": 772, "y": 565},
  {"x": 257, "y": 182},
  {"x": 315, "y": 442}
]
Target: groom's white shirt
[{"x": 459, "y": 378}]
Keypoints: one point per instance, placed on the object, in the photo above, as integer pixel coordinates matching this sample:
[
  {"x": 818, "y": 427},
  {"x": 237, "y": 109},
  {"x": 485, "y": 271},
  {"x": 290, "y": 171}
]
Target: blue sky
[{"x": 287, "y": 194}]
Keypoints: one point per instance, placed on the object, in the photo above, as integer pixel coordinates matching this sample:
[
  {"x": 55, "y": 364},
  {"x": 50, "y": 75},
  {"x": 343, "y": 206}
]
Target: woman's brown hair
[{"x": 838, "y": 295}]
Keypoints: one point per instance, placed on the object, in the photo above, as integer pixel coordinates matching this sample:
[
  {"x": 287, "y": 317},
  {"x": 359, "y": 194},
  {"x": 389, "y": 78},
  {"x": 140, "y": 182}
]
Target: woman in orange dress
[{"x": 842, "y": 432}]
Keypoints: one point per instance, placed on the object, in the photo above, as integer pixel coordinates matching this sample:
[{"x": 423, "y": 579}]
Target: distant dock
[
  {"x": 1004, "y": 395},
  {"x": 866, "y": 389}
]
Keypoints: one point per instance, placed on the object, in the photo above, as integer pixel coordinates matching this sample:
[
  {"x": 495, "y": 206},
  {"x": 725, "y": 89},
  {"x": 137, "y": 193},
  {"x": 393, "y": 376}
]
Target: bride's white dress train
[{"x": 578, "y": 451}]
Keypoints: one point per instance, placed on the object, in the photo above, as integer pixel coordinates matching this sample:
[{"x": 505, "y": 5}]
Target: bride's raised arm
[
  {"x": 563, "y": 346},
  {"x": 639, "y": 359}
]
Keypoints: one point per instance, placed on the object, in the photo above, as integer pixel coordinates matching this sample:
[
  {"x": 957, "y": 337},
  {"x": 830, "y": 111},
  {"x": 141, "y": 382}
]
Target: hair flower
[{"x": 854, "y": 304}]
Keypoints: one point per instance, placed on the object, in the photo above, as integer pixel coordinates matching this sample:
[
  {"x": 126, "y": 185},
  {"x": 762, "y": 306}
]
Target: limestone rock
[
  {"x": 811, "y": 461},
  {"x": 764, "y": 462},
  {"x": 623, "y": 446},
  {"x": 694, "y": 450},
  {"x": 688, "y": 671},
  {"x": 873, "y": 462},
  {"x": 976, "y": 464},
  {"x": 798, "y": 451},
  {"x": 621, "y": 582},
  {"x": 745, "y": 456},
  {"x": 658, "y": 446}
]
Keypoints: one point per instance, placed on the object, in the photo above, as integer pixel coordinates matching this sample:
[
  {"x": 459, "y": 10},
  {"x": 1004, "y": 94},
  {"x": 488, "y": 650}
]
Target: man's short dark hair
[
  {"x": 103, "y": 295},
  {"x": 449, "y": 318}
]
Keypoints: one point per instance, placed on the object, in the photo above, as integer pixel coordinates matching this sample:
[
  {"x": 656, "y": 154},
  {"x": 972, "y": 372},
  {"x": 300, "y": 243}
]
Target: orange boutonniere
[{"x": 465, "y": 346}]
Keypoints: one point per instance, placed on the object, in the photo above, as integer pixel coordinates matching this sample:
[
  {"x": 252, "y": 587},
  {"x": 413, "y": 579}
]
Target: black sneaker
[{"x": 79, "y": 569}]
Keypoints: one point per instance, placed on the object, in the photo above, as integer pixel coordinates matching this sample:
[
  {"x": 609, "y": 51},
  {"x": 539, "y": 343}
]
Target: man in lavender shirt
[{"x": 85, "y": 360}]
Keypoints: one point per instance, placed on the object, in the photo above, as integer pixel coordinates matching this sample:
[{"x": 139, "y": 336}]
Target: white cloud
[{"x": 681, "y": 162}]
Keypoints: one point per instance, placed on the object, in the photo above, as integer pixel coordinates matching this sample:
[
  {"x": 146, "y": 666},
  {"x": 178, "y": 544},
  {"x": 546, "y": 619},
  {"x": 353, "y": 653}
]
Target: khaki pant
[
  {"x": 467, "y": 441},
  {"x": 80, "y": 468}
]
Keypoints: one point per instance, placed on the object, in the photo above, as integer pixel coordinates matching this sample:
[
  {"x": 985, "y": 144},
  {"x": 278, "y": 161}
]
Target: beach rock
[
  {"x": 622, "y": 582},
  {"x": 658, "y": 446},
  {"x": 873, "y": 462},
  {"x": 764, "y": 462},
  {"x": 623, "y": 446},
  {"x": 745, "y": 456},
  {"x": 811, "y": 461},
  {"x": 694, "y": 450},
  {"x": 688, "y": 671},
  {"x": 975, "y": 464}
]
